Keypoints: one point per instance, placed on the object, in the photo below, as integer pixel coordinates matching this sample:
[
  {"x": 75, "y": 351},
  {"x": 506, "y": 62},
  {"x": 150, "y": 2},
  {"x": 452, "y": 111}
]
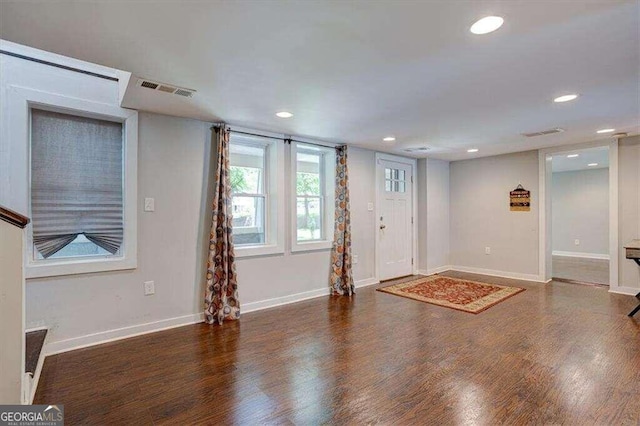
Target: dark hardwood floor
[{"x": 554, "y": 354}]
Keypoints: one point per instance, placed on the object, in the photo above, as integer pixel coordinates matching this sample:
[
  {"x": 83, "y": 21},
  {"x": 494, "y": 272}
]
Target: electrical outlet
[
  {"x": 577, "y": 242},
  {"x": 149, "y": 288},
  {"x": 149, "y": 204},
  {"x": 355, "y": 259},
  {"x": 487, "y": 250}
]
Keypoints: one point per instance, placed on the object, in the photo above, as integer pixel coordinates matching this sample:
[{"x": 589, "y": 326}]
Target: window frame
[
  {"x": 273, "y": 188},
  {"x": 327, "y": 202},
  {"x": 20, "y": 102}
]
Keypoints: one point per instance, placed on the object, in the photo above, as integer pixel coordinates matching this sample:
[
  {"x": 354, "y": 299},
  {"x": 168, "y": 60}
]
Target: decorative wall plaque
[{"x": 520, "y": 199}]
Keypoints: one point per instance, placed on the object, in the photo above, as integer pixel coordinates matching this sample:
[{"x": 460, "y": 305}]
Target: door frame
[
  {"x": 413, "y": 163},
  {"x": 545, "y": 234}
]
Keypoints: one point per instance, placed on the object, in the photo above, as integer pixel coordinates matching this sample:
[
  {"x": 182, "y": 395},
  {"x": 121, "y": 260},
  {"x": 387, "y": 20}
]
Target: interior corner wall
[
  {"x": 580, "y": 211},
  {"x": 481, "y": 216},
  {"x": 433, "y": 215},
  {"x": 628, "y": 208}
]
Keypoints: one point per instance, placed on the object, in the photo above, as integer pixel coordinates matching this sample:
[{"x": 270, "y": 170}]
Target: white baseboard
[
  {"x": 601, "y": 256},
  {"x": 501, "y": 274},
  {"x": 631, "y": 291},
  {"x": 284, "y": 300},
  {"x": 366, "y": 282},
  {"x": 299, "y": 297},
  {"x": 151, "y": 327},
  {"x": 433, "y": 271},
  {"x": 120, "y": 333}
]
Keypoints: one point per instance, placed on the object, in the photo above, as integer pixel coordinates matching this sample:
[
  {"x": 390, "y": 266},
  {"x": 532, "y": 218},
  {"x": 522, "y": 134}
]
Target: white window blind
[{"x": 76, "y": 181}]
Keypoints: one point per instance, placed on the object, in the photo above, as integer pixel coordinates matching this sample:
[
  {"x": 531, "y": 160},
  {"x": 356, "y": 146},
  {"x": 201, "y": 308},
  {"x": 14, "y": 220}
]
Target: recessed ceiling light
[
  {"x": 573, "y": 155},
  {"x": 284, "y": 114},
  {"x": 592, "y": 164},
  {"x": 486, "y": 25},
  {"x": 606, "y": 130},
  {"x": 565, "y": 98},
  {"x": 472, "y": 150},
  {"x": 389, "y": 139}
]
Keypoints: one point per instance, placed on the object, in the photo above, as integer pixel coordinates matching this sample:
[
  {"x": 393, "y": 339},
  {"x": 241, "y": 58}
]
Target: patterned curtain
[
  {"x": 341, "y": 279},
  {"x": 221, "y": 294}
]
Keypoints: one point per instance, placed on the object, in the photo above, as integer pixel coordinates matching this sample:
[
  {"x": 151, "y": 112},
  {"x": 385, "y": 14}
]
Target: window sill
[
  {"x": 252, "y": 251},
  {"x": 78, "y": 266},
  {"x": 311, "y": 246}
]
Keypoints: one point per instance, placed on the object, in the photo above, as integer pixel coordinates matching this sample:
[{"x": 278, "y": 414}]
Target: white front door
[{"x": 394, "y": 219}]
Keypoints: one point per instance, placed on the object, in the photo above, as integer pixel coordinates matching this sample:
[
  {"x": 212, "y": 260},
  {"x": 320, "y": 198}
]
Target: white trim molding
[
  {"x": 120, "y": 333},
  {"x": 630, "y": 291},
  {"x": 107, "y": 336},
  {"x": 544, "y": 242},
  {"x": 434, "y": 271},
  {"x": 366, "y": 282},
  {"x": 601, "y": 256},
  {"x": 20, "y": 101},
  {"x": 501, "y": 274}
]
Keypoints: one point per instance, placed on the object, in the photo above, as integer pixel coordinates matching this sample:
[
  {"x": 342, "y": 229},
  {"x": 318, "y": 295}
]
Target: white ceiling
[
  {"x": 356, "y": 71},
  {"x": 562, "y": 163}
]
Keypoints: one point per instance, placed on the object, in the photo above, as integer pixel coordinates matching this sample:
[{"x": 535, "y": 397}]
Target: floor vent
[
  {"x": 166, "y": 88},
  {"x": 543, "y": 132}
]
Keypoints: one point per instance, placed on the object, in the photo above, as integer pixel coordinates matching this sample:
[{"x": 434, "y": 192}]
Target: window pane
[
  {"x": 400, "y": 186},
  {"x": 248, "y": 220},
  {"x": 388, "y": 185},
  {"x": 387, "y": 173},
  {"x": 247, "y": 180},
  {"x": 81, "y": 246},
  {"x": 401, "y": 176},
  {"x": 309, "y": 218},
  {"x": 308, "y": 174},
  {"x": 246, "y": 168}
]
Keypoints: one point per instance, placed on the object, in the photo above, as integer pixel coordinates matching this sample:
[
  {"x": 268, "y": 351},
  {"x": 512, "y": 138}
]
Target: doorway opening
[{"x": 580, "y": 216}]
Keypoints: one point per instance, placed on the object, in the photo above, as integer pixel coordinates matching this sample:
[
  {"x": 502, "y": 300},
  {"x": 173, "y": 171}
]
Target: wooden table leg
[{"x": 632, "y": 313}]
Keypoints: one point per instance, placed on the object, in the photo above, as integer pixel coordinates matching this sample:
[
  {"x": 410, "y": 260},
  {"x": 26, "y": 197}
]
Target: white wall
[
  {"x": 11, "y": 314},
  {"x": 480, "y": 215},
  {"x": 433, "y": 215},
  {"x": 580, "y": 210},
  {"x": 629, "y": 207}
]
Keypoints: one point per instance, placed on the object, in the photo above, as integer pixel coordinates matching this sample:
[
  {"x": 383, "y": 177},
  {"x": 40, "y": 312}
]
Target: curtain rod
[
  {"x": 52, "y": 64},
  {"x": 285, "y": 139}
]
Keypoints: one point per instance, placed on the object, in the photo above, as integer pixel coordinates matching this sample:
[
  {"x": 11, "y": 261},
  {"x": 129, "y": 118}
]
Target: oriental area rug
[{"x": 454, "y": 293}]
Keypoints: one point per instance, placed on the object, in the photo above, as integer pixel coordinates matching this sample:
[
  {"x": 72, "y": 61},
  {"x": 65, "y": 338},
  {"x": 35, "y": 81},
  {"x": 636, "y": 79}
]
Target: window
[
  {"x": 256, "y": 182},
  {"x": 249, "y": 197},
  {"x": 83, "y": 217},
  {"x": 313, "y": 176},
  {"x": 76, "y": 186},
  {"x": 394, "y": 180}
]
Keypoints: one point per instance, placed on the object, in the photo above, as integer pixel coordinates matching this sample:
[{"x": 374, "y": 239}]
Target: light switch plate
[
  {"x": 149, "y": 204},
  {"x": 149, "y": 288},
  {"x": 370, "y": 207}
]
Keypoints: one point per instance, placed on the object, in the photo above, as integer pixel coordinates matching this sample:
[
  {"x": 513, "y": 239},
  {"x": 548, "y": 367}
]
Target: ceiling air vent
[
  {"x": 166, "y": 88},
  {"x": 184, "y": 92},
  {"x": 148, "y": 84},
  {"x": 419, "y": 149},
  {"x": 543, "y": 132}
]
